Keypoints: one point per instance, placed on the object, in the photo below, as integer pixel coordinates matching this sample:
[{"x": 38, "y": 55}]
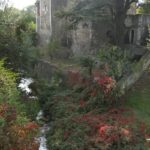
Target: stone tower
[{"x": 51, "y": 27}]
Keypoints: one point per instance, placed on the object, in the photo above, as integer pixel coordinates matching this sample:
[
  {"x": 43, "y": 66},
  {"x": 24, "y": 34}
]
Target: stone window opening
[
  {"x": 127, "y": 37},
  {"x": 110, "y": 36},
  {"x": 132, "y": 37},
  {"x": 45, "y": 9}
]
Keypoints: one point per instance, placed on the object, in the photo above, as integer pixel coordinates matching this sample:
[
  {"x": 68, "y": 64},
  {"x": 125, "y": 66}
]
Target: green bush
[
  {"x": 115, "y": 61},
  {"x": 31, "y": 108},
  {"x": 144, "y": 9},
  {"x": 16, "y": 130},
  {"x": 88, "y": 63},
  {"x": 54, "y": 48},
  {"x": 84, "y": 116},
  {"x": 17, "y": 38},
  {"x": 8, "y": 87}
]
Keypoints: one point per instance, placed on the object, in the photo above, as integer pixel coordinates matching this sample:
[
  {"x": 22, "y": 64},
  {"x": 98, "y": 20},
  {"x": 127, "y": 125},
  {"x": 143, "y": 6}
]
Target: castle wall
[
  {"x": 138, "y": 25},
  {"x": 44, "y": 20},
  {"x": 49, "y": 26},
  {"x": 87, "y": 36}
]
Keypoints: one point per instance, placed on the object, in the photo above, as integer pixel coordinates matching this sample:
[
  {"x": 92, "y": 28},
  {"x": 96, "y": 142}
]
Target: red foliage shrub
[
  {"x": 31, "y": 126},
  {"x": 112, "y": 127},
  {"x": 107, "y": 84},
  {"x": 108, "y": 130},
  {"x": 19, "y": 137},
  {"x": 74, "y": 78},
  {"x": 83, "y": 103},
  {"x": 8, "y": 112},
  {"x": 25, "y": 136}
]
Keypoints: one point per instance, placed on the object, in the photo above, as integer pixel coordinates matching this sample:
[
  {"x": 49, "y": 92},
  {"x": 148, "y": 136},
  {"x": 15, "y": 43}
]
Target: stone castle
[{"x": 87, "y": 36}]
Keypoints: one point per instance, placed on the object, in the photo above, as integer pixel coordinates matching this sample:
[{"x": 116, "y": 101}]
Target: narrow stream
[
  {"x": 24, "y": 86},
  {"x": 43, "y": 130}
]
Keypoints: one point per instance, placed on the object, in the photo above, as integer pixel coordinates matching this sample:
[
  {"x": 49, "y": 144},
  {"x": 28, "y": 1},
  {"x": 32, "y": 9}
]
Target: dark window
[
  {"x": 132, "y": 36},
  {"x": 127, "y": 37}
]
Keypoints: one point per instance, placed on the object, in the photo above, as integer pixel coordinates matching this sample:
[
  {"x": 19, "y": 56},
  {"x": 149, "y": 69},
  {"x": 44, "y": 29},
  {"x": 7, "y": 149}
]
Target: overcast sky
[{"x": 20, "y": 4}]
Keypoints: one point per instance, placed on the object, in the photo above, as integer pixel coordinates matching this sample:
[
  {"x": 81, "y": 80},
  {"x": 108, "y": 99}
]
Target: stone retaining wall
[
  {"x": 139, "y": 68},
  {"x": 44, "y": 70}
]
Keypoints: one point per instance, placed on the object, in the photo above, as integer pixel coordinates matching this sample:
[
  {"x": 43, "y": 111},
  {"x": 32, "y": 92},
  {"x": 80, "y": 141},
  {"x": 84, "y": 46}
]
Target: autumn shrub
[
  {"x": 98, "y": 85},
  {"x": 85, "y": 117},
  {"x": 15, "y": 135},
  {"x": 17, "y": 132},
  {"x": 81, "y": 95},
  {"x": 116, "y": 129}
]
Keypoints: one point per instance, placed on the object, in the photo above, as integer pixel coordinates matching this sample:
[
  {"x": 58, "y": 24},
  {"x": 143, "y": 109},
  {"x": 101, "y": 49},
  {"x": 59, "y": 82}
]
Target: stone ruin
[{"x": 87, "y": 37}]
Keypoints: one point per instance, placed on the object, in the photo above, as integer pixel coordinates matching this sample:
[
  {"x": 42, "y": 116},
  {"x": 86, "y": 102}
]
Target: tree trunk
[{"x": 120, "y": 17}]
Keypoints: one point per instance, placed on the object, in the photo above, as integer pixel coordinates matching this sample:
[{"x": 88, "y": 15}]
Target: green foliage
[
  {"x": 87, "y": 10},
  {"x": 8, "y": 88},
  {"x": 15, "y": 130},
  {"x": 144, "y": 8},
  {"x": 115, "y": 60},
  {"x": 10, "y": 94},
  {"x": 17, "y": 37},
  {"x": 88, "y": 63},
  {"x": 45, "y": 91},
  {"x": 80, "y": 114},
  {"x": 56, "y": 80},
  {"x": 2, "y": 122},
  {"x": 31, "y": 108},
  {"x": 54, "y": 48}
]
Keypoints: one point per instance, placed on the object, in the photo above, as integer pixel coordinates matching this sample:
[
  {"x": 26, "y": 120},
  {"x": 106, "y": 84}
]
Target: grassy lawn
[{"x": 139, "y": 98}]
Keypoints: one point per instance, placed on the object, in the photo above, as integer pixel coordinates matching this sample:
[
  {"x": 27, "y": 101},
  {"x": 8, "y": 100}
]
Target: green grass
[{"x": 139, "y": 99}]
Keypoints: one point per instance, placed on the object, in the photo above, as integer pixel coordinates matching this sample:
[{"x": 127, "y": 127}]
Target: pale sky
[{"x": 20, "y": 4}]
